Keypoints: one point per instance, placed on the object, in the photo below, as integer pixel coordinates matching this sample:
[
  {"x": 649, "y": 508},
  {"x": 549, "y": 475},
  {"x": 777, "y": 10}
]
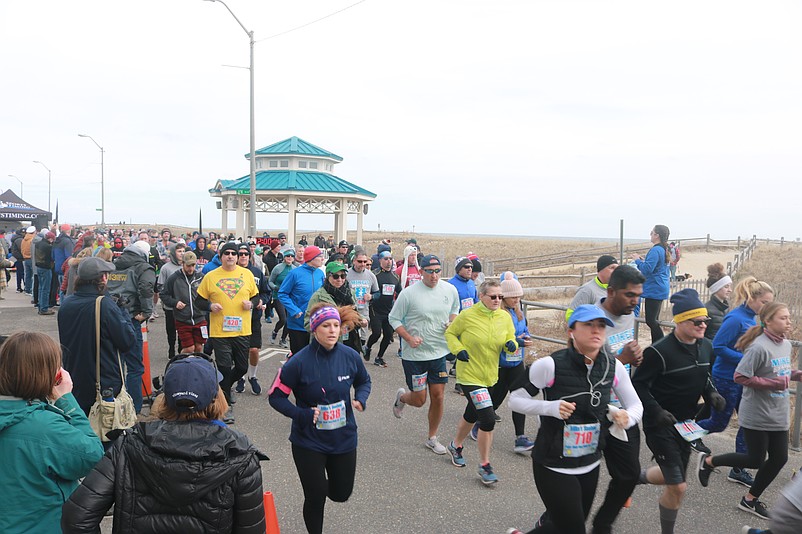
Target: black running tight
[
  {"x": 568, "y": 499},
  {"x": 323, "y": 475},
  {"x": 759, "y": 443},
  {"x": 652, "y": 316}
]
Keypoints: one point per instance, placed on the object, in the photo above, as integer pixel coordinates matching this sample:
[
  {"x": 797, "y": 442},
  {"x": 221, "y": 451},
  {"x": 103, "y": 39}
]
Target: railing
[{"x": 795, "y": 427}]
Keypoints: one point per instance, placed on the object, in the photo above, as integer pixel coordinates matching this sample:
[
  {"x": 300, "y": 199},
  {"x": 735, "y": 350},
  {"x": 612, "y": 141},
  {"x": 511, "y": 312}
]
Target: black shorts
[
  {"x": 255, "y": 341},
  {"x": 671, "y": 452}
]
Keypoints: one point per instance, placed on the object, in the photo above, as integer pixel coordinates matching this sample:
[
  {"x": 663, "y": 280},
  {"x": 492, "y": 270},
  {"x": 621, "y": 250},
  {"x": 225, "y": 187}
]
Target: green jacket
[
  {"x": 45, "y": 448},
  {"x": 321, "y": 295}
]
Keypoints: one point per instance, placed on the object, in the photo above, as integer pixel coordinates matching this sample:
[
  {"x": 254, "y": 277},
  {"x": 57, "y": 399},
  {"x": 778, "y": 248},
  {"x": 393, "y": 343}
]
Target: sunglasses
[
  {"x": 244, "y": 254},
  {"x": 360, "y": 261},
  {"x": 700, "y": 322},
  {"x": 432, "y": 271},
  {"x": 339, "y": 275},
  {"x": 494, "y": 297},
  {"x": 229, "y": 253}
]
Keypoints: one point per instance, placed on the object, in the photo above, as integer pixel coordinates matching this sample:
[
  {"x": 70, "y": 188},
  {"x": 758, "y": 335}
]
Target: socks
[
  {"x": 668, "y": 518},
  {"x": 251, "y": 371}
]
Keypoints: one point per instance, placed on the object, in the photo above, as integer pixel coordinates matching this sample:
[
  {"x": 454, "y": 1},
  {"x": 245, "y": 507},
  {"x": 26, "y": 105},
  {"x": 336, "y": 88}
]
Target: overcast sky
[{"x": 550, "y": 118}]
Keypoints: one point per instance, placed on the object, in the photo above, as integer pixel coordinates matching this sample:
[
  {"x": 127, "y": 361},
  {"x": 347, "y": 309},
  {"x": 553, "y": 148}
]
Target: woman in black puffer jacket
[{"x": 187, "y": 472}]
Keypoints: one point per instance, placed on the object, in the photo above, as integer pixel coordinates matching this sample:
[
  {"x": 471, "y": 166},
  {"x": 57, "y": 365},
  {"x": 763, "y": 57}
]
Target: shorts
[
  {"x": 255, "y": 341},
  {"x": 435, "y": 370},
  {"x": 671, "y": 452},
  {"x": 486, "y": 415},
  {"x": 231, "y": 351},
  {"x": 190, "y": 335}
]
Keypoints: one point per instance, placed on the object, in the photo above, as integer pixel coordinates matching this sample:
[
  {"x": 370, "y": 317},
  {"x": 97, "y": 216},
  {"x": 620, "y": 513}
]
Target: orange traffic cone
[
  {"x": 147, "y": 384},
  {"x": 271, "y": 518}
]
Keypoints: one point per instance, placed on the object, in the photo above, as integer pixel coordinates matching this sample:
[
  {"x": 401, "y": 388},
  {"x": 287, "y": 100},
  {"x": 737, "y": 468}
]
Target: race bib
[
  {"x": 344, "y": 337},
  {"x": 689, "y": 430},
  {"x": 481, "y": 398},
  {"x": 517, "y": 356},
  {"x": 419, "y": 381},
  {"x": 464, "y": 304},
  {"x": 232, "y": 323},
  {"x": 204, "y": 332},
  {"x": 580, "y": 440},
  {"x": 332, "y": 416},
  {"x": 388, "y": 289}
]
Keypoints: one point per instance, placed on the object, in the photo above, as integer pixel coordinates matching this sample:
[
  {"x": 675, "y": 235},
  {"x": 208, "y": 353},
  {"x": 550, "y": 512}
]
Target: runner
[
  {"x": 764, "y": 413},
  {"x": 295, "y": 292},
  {"x": 591, "y": 292},
  {"x": 476, "y": 337},
  {"x": 675, "y": 372},
  {"x": 277, "y": 276},
  {"x": 245, "y": 257},
  {"x": 365, "y": 286},
  {"x": 324, "y": 430},
  {"x": 336, "y": 291},
  {"x": 576, "y": 383},
  {"x": 179, "y": 294},
  {"x": 468, "y": 296},
  {"x": 420, "y": 316},
  {"x": 390, "y": 287},
  {"x": 752, "y": 295}
]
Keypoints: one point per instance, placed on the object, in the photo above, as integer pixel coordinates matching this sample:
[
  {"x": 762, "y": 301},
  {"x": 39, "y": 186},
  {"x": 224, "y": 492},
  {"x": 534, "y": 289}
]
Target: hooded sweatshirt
[
  {"x": 167, "y": 270},
  {"x": 137, "y": 259}
]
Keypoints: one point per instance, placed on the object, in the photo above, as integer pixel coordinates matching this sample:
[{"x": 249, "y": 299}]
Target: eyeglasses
[
  {"x": 494, "y": 297},
  {"x": 229, "y": 253},
  {"x": 700, "y": 322},
  {"x": 432, "y": 271},
  {"x": 244, "y": 254},
  {"x": 360, "y": 261},
  {"x": 339, "y": 275}
]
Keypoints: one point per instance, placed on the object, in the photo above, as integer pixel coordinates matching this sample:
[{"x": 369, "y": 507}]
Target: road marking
[{"x": 266, "y": 354}]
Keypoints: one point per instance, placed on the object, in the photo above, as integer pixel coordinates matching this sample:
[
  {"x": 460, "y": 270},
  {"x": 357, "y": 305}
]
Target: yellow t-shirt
[{"x": 229, "y": 288}]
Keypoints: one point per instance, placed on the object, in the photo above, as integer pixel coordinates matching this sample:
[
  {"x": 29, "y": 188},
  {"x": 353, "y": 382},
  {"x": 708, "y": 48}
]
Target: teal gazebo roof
[
  {"x": 307, "y": 182},
  {"x": 296, "y": 146}
]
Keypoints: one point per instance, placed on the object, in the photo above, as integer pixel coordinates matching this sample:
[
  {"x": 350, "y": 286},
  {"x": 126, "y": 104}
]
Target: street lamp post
[
  {"x": 102, "y": 182},
  {"x": 48, "y": 182},
  {"x": 252, "y": 208},
  {"x": 21, "y": 192}
]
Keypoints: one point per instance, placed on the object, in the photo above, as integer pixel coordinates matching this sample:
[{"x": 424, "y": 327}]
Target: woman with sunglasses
[
  {"x": 277, "y": 276},
  {"x": 752, "y": 295},
  {"x": 764, "y": 413},
  {"x": 46, "y": 442},
  {"x": 324, "y": 432},
  {"x": 336, "y": 291},
  {"x": 185, "y": 472},
  {"x": 476, "y": 336}
]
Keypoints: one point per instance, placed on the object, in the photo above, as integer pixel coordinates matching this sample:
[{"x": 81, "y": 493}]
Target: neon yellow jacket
[{"x": 483, "y": 333}]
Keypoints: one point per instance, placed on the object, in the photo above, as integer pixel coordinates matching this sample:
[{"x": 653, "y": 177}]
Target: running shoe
[
  {"x": 458, "y": 390},
  {"x": 379, "y": 362},
  {"x": 284, "y": 344},
  {"x": 699, "y": 446},
  {"x": 256, "y": 389},
  {"x": 523, "y": 444},
  {"x": 475, "y": 432},
  {"x": 453, "y": 371},
  {"x": 497, "y": 418},
  {"x": 398, "y": 405},
  {"x": 366, "y": 353},
  {"x": 435, "y": 445},
  {"x": 487, "y": 474},
  {"x": 754, "y": 507},
  {"x": 704, "y": 470},
  {"x": 749, "y": 530},
  {"x": 240, "y": 387},
  {"x": 273, "y": 337},
  {"x": 228, "y": 418},
  {"x": 399, "y": 352},
  {"x": 456, "y": 455},
  {"x": 741, "y": 476},
  {"x": 514, "y": 531}
]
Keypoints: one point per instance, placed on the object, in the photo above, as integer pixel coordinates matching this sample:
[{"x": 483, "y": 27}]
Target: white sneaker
[
  {"x": 435, "y": 445},
  {"x": 398, "y": 405}
]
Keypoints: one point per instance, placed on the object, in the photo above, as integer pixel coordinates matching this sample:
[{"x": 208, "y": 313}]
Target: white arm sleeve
[
  {"x": 626, "y": 394},
  {"x": 541, "y": 375}
]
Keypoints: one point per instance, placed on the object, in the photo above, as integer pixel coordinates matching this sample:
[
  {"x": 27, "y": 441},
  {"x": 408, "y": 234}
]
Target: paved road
[{"x": 401, "y": 486}]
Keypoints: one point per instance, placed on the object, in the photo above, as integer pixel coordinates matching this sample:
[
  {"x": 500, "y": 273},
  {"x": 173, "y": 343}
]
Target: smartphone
[{"x": 58, "y": 377}]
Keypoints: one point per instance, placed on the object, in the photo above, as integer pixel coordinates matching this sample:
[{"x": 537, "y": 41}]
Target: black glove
[
  {"x": 463, "y": 356},
  {"x": 666, "y": 418},
  {"x": 450, "y": 357},
  {"x": 717, "y": 402},
  {"x": 511, "y": 346}
]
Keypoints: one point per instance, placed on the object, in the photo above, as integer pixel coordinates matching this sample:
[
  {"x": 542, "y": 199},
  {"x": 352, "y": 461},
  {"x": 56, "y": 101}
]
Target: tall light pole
[
  {"x": 102, "y": 182},
  {"x": 252, "y": 210},
  {"x": 48, "y": 182},
  {"x": 21, "y": 192}
]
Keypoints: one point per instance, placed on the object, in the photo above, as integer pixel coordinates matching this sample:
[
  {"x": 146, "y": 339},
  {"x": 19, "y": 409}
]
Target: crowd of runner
[{"x": 328, "y": 305}]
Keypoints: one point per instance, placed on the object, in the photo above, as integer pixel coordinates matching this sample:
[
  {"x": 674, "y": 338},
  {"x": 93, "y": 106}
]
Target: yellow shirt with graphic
[{"x": 230, "y": 289}]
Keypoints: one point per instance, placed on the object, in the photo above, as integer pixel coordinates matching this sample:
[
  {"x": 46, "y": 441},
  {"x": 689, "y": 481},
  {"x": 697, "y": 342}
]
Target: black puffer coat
[{"x": 173, "y": 477}]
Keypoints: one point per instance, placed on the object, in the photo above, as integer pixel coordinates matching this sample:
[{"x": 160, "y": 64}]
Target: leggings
[
  {"x": 652, "y": 316},
  {"x": 758, "y": 443},
  {"x": 380, "y": 324},
  {"x": 718, "y": 421},
  {"x": 568, "y": 499},
  {"x": 298, "y": 340},
  {"x": 169, "y": 326},
  {"x": 281, "y": 311},
  {"x": 323, "y": 475},
  {"x": 509, "y": 379}
]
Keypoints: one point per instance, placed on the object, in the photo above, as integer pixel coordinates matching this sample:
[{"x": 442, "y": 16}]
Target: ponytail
[
  {"x": 750, "y": 288},
  {"x": 766, "y": 314},
  {"x": 663, "y": 232}
]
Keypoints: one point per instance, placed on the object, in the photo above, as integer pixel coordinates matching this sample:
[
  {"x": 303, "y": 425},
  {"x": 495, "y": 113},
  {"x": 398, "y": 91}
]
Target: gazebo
[{"x": 294, "y": 176}]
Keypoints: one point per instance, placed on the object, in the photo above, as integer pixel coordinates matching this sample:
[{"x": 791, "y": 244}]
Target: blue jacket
[
  {"x": 521, "y": 331},
  {"x": 466, "y": 289},
  {"x": 213, "y": 264},
  {"x": 62, "y": 250},
  {"x": 317, "y": 377},
  {"x": 656, "y": 271},
  {"x": 295, "y": 292},
  {"x": 735, "y": 324}
]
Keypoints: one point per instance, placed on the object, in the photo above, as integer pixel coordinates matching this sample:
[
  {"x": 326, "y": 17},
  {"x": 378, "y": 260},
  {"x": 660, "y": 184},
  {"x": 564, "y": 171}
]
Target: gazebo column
[
  {"x": 224, "y": 222},
  {"x": 359, "y": 223},
  {"x": 292, "y": 205},
  {"x": 240, "y": 232},
  {"x": 341, "y": 221}
]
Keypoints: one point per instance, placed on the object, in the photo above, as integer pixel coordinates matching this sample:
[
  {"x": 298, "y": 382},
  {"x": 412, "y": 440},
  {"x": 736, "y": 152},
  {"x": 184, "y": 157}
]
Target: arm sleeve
[
  {"x": 271, "y": 281},
  {"x": 541, "y": 375},
  {"x": 647, "y": 373},
  {"x": 284, "y": 295},
  {"x": 626, "y": 394},
  {"x": 87, "y": 505},
  {"x": 280, "y": 392},
  {"x": 453, "y": 332},
  {"x": 398, "y": 312},
  {"x": 77, "y": 447},
  {"x": 147, "y": 286},
  {"x": 249, "y": 510},
  {"x": 725, "y": 338},
  {"x": 116, "y": 324},
  {"x": 167, "y": 294},
  {"x": 362, "y": 383}
]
